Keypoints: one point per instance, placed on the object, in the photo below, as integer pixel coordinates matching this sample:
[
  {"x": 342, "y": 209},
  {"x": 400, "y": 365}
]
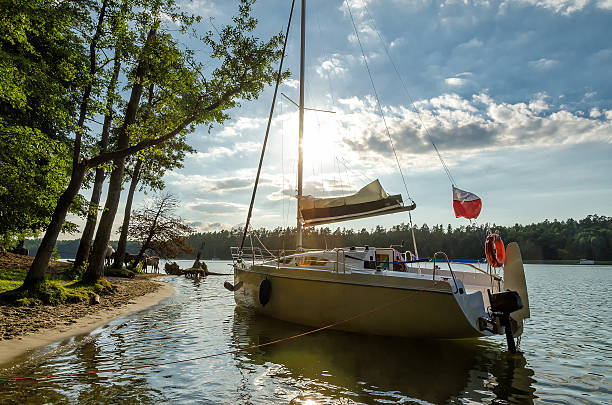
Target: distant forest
[{"x": 589, "y": 238}]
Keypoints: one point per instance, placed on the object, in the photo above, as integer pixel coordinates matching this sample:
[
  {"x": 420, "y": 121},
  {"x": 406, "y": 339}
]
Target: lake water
[{"x": 567, "y": 355}]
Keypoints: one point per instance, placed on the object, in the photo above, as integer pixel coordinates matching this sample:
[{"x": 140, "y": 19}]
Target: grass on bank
[{"x": 59, "y": 287}]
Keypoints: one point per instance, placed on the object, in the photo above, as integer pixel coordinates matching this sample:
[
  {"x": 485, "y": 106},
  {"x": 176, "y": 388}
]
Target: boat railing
[
  {"x": 256, "y": 254},
  {"x": 337, "y": 264},
  {"x": 252, "y": 254},
  {"x": 449, "y": 268}
]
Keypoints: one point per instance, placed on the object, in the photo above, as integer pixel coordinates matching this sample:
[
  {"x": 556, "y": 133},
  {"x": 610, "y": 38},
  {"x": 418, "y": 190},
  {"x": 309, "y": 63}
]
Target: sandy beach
[{"x": 25, "y": 329}]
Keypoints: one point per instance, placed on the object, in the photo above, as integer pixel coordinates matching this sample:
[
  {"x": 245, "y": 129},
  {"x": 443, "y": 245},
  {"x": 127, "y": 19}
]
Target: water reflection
[
  {"x": 569, "y": 353},
  {"x": 331, "y": 366}
]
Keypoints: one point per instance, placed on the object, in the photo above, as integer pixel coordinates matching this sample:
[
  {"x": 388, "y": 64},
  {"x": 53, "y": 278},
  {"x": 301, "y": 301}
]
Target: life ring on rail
[{"x": 494, "y": 250}]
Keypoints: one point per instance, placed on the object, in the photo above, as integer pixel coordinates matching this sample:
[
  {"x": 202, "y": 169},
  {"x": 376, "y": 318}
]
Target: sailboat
[{"x": 375, "y": 290}]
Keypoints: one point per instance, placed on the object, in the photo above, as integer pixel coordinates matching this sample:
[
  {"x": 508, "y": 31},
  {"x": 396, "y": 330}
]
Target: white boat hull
[{"x": 372, "y": 303}]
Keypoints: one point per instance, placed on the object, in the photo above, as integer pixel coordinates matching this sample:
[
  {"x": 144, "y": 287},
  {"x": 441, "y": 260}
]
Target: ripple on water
[{"x": 566, "y": 355}]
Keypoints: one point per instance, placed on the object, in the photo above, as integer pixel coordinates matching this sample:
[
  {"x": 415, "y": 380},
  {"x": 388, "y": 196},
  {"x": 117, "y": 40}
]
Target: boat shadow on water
[{"x": 331, "y": 365}]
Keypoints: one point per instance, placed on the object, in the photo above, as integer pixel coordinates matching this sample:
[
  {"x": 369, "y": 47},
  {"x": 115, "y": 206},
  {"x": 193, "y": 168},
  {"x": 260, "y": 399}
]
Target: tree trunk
[
  {"x": 92, "y": 217},
  {"x": 121, "y": 247},
  {"x": 95, "y": 269},
  {"x": 36, "y": 274}
]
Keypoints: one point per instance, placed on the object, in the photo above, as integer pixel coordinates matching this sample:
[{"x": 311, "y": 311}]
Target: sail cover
[{"x": 370, "y": 201}]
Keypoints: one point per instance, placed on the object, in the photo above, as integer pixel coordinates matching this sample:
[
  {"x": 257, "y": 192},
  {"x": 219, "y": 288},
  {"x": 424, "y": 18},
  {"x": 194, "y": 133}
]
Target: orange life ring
[
  {"x": 400, "y": 265},
  {"x": 494, "y": 250},
  {"x": 398, "y": 261}
]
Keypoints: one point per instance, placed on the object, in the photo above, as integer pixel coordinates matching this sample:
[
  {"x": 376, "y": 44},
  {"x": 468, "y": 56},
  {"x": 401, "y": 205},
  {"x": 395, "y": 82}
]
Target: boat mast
[{"x": 301, "y": 127}]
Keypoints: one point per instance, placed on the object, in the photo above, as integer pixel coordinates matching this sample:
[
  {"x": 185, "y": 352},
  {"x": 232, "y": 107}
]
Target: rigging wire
[
  {"x": 444, "y": 165},
  {"x": 282, "y": 122},
  {"x": 378, "y": 100},
  {"x": 334, "y": 168},
  {"x": 263, "y": 149},
  {"x": 416, "y": 252}
]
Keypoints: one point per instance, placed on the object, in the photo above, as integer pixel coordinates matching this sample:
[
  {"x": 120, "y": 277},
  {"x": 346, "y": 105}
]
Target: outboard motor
[{"x": 502, "y": 304}]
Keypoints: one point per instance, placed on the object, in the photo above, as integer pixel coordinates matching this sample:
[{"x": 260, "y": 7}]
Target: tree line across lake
[{"x": 570, "y": 240}]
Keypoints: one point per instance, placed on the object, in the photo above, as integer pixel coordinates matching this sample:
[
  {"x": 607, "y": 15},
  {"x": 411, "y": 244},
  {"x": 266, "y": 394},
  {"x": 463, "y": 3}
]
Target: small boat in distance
[
  {"x": 377, "y": 290},
  {"x": 587, "y": 261}
]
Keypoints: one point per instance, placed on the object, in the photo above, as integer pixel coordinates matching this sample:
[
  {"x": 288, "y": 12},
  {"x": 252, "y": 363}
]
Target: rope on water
[{"x": 144, "y": 366}]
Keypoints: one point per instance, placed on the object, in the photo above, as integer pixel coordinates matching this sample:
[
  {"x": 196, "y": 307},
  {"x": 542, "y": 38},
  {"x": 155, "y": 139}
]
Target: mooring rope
[{"x": 144, "y": 366}]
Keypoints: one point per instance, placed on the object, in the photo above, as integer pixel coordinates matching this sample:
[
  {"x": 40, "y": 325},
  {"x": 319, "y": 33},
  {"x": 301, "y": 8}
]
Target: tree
[
  {"x": 148, "y": 168},
  {"x": 100, "y": 175},
  {"x": 184, "y": 98},
  {"x": 159, "y": 230},
  {"x": 41, "y": 60}
]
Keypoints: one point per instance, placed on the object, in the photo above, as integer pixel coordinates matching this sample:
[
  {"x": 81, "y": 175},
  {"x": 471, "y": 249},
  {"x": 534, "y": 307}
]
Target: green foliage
[
  {"x": 124, "y": 272},
  {"x": 54, "y": 292},
  {"x": 41, "y": 60},
  {"x": 34, "y": 171},
  {"x": 76, "y": 273},
  {"x": 11, "y": 278},
  {"x": 41, "y": 63}
]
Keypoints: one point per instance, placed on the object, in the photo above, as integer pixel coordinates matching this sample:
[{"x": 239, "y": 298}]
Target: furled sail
[{"x": 370, "y": 201}]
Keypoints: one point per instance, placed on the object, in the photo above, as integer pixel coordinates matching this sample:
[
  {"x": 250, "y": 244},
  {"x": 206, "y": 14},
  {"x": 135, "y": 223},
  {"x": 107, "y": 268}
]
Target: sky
[{"x": 516, "y": 95}]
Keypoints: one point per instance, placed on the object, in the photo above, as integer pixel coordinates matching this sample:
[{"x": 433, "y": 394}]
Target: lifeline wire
[
  {"x": 116, "y": 370},
  {"x": 377, "y": 99},
  {"x": 446, "y": 169}
]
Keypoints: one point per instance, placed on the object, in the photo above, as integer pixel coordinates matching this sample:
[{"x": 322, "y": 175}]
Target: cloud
[
  {"x": 455, "y": 81},
  {"x": 470, "y": 125},
  {"x": 472, "y": 43},
  {"x": 292, "y": 83},
  {"x": 605, "y": 4},
  {"x": 564, "y": 7},
  {"x": 595, "y": 113},
  {"x": 218, "y": 152},
  {"x": 543, "y": 64},
  {"x": 206, "y": 8},
  {"x": 399, "y": 42},
  {"x": 241, "y": 125},
  {"x": 322, "y": 188},
  {"x": 336, "y": 64},
  {"x": 216, "y": 207},
  {"x": 215, "y": 152},
  {"x": 203, "y": 184}
]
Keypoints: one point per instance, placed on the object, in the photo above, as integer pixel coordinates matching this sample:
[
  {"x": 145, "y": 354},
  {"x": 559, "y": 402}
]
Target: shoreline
[{"x": 11, "y": 349}]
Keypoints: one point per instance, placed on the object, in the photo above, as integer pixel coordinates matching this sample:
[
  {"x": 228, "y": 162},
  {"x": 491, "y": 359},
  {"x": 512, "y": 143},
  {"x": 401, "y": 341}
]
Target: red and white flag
[{"x": 466, "y": 204}]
